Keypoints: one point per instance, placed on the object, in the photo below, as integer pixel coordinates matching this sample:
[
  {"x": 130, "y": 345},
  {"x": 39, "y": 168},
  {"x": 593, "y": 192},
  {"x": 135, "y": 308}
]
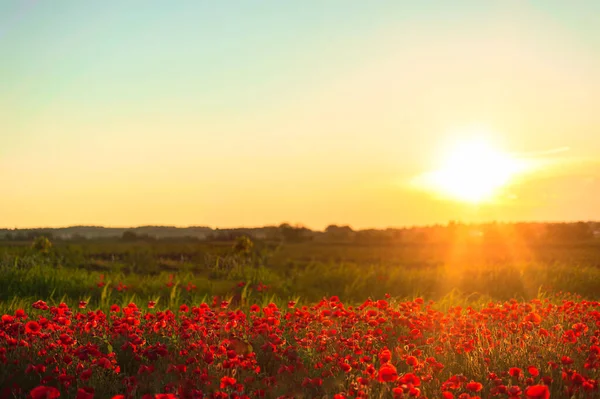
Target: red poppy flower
[
  {"x": 515, "y": 372},
  {"x": 398, "y": 393},
  {"x": 537, "y": 392},
  {"x": 104, "y": 363},
  {"x": 385, "y": 356},
  {"x": 387, "y": 373},
  {"x": 412, "y": 361},
  {"x": 566, "y": 360},
  {"x": 474, "y": 386},
  {"x": 32, "y": 327},
  {"x": 20, "y": 314},
  {"x": 44, "y": 392},
  {"x": 85, "y": 393},
  {"x": 227, "y": 382},
  {"x": 40, "y": 305},
  {"x": 410, "y": 378},
  {"x": 345, "y": 367}
]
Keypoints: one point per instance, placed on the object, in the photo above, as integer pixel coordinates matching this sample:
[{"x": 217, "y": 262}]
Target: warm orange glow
[
  {"x": 192, "y": 122},
  {"x": 474, "y": 171}
]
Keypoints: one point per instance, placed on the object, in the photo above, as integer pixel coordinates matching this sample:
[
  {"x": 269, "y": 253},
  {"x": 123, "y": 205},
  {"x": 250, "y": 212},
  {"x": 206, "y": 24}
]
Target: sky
[{"x": 250, "y": 113}]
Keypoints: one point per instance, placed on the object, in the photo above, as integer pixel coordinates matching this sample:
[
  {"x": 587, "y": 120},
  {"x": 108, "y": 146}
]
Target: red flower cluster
[{"x": 511, "y": 350}]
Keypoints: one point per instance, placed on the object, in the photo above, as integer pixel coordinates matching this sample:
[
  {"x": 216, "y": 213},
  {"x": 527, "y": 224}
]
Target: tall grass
[{"x": 31, "y": 277}]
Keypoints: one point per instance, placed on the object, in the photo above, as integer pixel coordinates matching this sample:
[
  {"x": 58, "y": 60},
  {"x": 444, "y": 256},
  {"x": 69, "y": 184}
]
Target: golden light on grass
[{"x": 473, "y": 171}]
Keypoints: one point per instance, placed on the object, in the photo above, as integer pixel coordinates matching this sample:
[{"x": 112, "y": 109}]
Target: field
[{"x": 337, "y": 319}]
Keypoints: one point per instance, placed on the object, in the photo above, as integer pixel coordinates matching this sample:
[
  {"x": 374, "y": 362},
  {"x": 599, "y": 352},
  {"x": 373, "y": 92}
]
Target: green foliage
[
  {"x": 42, "y": 245},
  {"x": 243, "y": 246},
  {"x": 185, "y": 272}
]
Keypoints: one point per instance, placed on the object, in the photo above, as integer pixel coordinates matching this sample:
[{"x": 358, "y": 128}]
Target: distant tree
[
  {"x": 569, "y": 232},
  {"x": 129, "y": 236},
  {"x": 79, "y": 237},
  {"x": 339, "y": 232},
  {"x": 287, "y": 232},
  {"x": 293, "y": 234}
]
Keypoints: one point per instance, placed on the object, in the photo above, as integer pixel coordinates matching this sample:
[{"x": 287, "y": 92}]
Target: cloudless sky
[{"x": 245, "y": 113}]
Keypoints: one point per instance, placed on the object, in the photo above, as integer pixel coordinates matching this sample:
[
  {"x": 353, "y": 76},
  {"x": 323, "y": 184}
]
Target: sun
[{"x": 474, "y": 171}]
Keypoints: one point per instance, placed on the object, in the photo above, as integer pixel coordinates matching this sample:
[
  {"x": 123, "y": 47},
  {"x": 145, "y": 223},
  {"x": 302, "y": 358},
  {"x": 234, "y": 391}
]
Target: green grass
[{"x": 26, "y": 278}]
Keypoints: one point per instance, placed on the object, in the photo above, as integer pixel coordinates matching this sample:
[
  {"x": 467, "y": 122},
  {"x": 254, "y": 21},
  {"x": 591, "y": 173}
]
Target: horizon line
[{"x": 407, "y": 226}]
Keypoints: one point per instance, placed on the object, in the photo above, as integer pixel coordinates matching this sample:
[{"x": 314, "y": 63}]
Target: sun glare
[{"x": 473, "y": 171}]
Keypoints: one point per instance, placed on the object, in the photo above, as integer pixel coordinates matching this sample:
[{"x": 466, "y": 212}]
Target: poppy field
[
  {"x": 378, "y": 349},
  {"x": 350, "y": 322}
]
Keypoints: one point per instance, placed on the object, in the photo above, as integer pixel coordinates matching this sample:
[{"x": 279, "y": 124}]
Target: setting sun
[{"x": 473, "y": 171}]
